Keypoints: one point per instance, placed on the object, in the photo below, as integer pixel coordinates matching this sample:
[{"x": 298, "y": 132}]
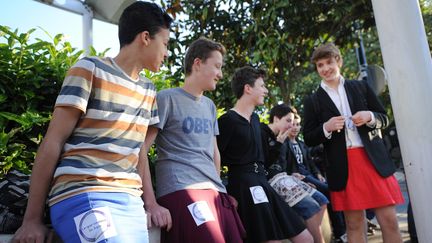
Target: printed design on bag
[
  {"x": 201, "y": 212},
  {"x": 258, "y": 194},
  {"x": 95, "y": 225},
  {"x": 291, "y": 189}
]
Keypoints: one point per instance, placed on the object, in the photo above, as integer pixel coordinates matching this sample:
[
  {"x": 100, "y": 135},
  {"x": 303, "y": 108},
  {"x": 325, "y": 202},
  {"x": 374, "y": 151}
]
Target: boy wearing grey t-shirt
[{"x": 188, "y": 164}]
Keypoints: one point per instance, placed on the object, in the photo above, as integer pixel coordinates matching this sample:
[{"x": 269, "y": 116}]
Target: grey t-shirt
[{"x": 185, "y": 143}]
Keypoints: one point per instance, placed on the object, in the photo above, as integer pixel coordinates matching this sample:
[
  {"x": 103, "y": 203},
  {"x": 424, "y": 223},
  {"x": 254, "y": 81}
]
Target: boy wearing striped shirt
[{"x": 87, "y": 164}]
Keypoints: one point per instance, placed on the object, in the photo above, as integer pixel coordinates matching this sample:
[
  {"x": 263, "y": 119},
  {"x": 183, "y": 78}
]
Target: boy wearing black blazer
[{"x": 346, "y": 117}]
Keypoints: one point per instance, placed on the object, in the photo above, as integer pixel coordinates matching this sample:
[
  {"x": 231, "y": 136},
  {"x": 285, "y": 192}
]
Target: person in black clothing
[
  {"x": 305, "y": 200},
  {"x": 299, "y": 162},
  {"x": 266, "y": 217}
]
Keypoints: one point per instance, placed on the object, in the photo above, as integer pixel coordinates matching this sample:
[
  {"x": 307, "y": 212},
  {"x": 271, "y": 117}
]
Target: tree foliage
[
  {"x": 280, "y": 37},
  {"x": 276, "y": 35},
  {"x": 31, "y": 75}
]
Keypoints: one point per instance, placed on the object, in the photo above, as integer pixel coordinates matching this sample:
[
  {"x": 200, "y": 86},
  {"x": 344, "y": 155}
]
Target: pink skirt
[{"x": 365, "y": 187}]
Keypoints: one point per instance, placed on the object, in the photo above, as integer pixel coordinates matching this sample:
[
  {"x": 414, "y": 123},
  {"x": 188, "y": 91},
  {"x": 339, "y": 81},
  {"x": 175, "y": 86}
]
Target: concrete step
[{"x": 154, "y": 236}]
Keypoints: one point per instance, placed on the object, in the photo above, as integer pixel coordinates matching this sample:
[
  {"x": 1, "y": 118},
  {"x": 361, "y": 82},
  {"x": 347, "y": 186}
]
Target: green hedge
[{"x": 31, "y": 75}]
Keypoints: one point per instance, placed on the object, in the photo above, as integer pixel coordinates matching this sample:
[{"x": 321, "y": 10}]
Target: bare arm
[
  {"x": 61, "y": 126},
  {"x": 217, "y": 158},
  {"x": 156, "y": 214},
  {"x": 217, "y": 161}
]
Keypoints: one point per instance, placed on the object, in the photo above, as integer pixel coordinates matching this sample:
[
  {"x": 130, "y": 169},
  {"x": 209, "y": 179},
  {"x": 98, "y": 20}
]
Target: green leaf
[
  {"x": 3, "y": 98},
  {"x": 4, "y": 139},
  {"x": 57, "y": 39}
]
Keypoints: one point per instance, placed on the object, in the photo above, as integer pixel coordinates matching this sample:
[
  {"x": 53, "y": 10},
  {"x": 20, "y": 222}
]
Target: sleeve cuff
[
  {"x": 328, "y": 135},
  {"x": 372, "y": 122}
]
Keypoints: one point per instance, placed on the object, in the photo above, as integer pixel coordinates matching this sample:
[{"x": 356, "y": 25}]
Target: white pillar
[
  {"x": 87, "y": 28},
  {"x": 408, "y": 63},
  {"x": 78, "y": 7}
]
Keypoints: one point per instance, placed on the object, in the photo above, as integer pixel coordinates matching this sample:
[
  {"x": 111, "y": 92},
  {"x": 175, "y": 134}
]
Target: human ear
[
  {"x": 340, "y": 62},
  {"x": 145, "y": 37},
  {"x": 196, "y": 64},
  {"x": 247, "y": 88}
]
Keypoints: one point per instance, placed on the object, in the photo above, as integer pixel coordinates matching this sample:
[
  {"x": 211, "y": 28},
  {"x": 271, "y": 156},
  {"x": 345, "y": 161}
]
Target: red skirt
[{"x": 365, "y": 187}]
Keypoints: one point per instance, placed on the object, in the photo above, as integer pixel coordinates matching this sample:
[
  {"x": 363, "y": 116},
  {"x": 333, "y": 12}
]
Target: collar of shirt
[
  {"x": 327, "y": 88},
  {"x": 339, "y": 98}
]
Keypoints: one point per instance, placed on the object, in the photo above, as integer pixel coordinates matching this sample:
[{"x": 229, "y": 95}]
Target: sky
[{"x": 56, "y": 21}]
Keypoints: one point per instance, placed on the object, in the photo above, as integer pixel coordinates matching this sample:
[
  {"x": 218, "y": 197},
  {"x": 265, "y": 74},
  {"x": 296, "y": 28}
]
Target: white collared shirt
[{"x": 340, "y": 100}]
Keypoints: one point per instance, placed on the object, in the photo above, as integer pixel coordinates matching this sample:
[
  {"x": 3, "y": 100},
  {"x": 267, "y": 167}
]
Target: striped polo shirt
[{"x": 101, "y": 154}]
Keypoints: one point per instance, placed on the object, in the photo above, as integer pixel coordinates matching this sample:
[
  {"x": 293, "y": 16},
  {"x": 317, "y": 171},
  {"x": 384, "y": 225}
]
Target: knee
[
  {"x": 389, "y": 222},
  {"x": 303, "y": 237},
  {"x": 354, "y": 224},
  {"x": 386, "y": 216}
]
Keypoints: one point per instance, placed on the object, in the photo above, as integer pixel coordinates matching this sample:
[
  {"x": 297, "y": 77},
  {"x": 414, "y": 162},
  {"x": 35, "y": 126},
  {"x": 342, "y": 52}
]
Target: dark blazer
[
  {"x": 292, "y": 165},
  {"x": 360, "y": 97}
]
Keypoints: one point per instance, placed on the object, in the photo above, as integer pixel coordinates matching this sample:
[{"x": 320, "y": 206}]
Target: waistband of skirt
[{"x": 254, "y": 167}]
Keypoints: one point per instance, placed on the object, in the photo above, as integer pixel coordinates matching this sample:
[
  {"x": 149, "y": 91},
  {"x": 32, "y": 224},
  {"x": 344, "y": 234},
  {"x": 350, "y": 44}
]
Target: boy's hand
[
  {"x": 159, "y": 216},
  {"x": 335, "y": 123},
  {"x": 282, "y": 136},
  {"x": 311, "y": 185},
  {"x": 321, "y": 178},
  {"x": 298, "y": 176},
  {"x": 32, "y": 232},
  {"x": 361, "y": 117}
]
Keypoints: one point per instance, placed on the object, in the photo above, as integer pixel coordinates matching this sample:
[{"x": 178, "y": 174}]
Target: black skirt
[{"x": 264, "y": 214}]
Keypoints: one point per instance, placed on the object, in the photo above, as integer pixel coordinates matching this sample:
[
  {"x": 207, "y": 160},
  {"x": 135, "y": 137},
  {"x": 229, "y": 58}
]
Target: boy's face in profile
[
  {"x": 329, "y": 69},
  {"x": 157, "y": 49},
  {"x": 258, "y": 91},
  {"x": 210, "y": 70}
]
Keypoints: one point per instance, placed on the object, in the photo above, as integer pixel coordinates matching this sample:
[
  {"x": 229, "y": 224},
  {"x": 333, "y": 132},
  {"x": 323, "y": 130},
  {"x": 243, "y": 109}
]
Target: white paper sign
[
  {"x": 201, "y": 212},
  {"x": 95, "y": 225},
  {"x": 258, "y": 194}
]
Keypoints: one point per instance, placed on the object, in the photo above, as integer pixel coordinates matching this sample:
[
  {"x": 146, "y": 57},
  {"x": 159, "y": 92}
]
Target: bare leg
[
  {"x": 303, "y": 237},
  {"x": 313, "y": 224},
  {"x": 355, "y": 224},
  {"x": 387, "y": 220}
]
